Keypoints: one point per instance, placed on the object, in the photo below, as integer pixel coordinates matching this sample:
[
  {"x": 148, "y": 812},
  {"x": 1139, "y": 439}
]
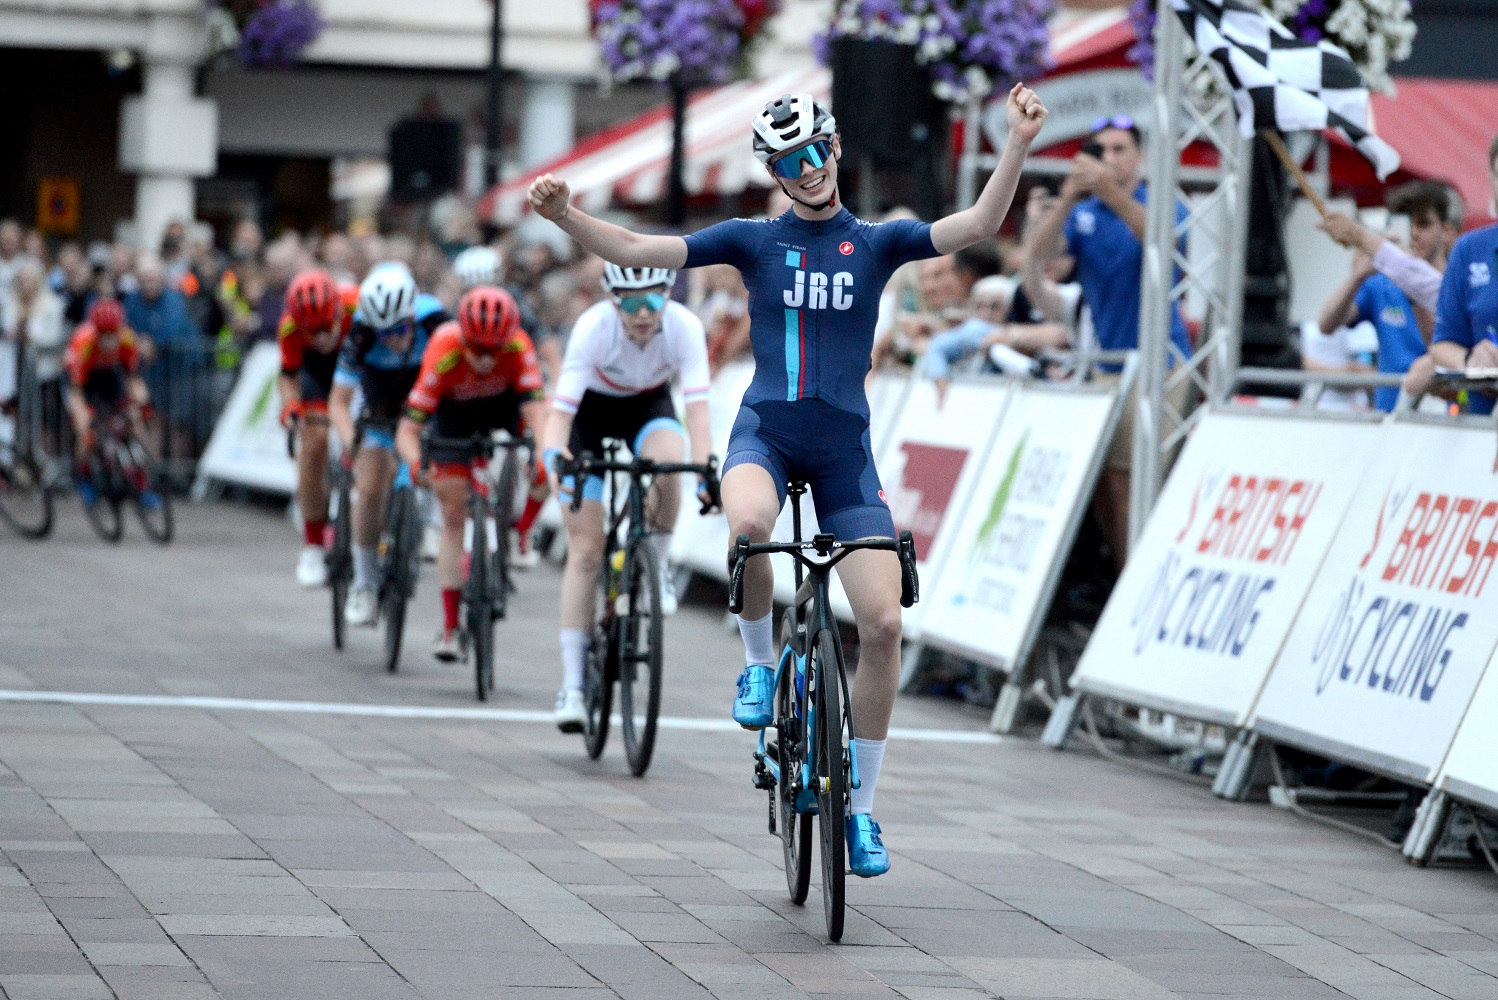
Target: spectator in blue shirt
[
  {"x": 1371, "y": 296},
  {"x": 1467, "y": 310},
  {"x": 1099, "y": 219},
  {"x": 176, "y": 356}
]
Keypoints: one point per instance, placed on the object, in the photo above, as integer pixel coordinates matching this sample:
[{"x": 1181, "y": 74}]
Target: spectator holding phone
[
  {"x": 1099, "y": 219},
  {"x": 1466, "y": 334}
]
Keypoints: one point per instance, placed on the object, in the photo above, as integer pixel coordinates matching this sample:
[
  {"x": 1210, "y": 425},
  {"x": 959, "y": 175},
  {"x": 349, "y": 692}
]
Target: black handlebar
[
  {"x": 832, "y": 552},
  {"x": 579, "y": 467}
]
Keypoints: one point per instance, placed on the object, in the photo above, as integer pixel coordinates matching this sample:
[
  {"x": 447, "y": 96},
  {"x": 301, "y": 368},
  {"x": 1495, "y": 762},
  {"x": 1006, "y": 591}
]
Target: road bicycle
[
  {"x": 25, "y": 496},
  {"x": 120, "y": 469},
  {"x": 340, "y": 555},
  {"x": 491, "y": 512},
  {"x": 628, "y": 639},
  {"x": 810, "y": 767},
  {"x": 400, "y": 563}
]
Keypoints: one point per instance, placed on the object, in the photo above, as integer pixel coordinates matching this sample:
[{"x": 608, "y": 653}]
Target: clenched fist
[
  {"x": 550, "y": 197},
  {"x": 1025, "y": 112}
]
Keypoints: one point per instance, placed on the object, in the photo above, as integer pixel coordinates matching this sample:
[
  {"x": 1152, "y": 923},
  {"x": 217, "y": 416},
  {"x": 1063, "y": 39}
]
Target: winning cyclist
[
  {"x": 815, "y": 275},
  {"x": 479, "y": 267},
  {"x": 478, "y": 374},
  {"x": 381, "y": 356},
  {"x": 103, "y": 366},
  {"x": 317, "y": 316},
  {"x": 616, "y": 382}
]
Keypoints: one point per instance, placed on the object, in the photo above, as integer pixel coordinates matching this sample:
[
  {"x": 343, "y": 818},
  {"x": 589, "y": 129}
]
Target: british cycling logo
[{"x": 845, "y": 248}]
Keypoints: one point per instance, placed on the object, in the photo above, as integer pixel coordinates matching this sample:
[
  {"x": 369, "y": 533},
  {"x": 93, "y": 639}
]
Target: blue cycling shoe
[
  {"x": 87, "y": 492},
  {"x": 752, "y": 708},
  {"x": 866, "y": 854},
  {"x": 150, "y": 500}
]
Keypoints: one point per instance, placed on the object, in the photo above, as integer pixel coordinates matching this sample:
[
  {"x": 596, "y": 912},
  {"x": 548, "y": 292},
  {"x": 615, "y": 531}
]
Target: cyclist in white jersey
[{"x": 616, "y": 382}]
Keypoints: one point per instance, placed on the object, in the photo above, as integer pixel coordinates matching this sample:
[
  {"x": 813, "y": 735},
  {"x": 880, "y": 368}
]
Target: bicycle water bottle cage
[{"x": 823, "y": 543}]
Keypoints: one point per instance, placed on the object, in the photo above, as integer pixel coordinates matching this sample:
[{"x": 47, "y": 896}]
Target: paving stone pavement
[{"x": 162, "y": 853}]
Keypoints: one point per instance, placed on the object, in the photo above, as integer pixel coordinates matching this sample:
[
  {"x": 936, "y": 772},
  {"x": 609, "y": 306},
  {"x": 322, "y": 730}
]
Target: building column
[
  {"x": 548, "y": 123},
  {"x": 168, "y": 135}
]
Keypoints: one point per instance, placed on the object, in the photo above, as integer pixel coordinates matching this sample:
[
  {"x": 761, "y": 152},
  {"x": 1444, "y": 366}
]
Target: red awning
[{"x": 1442, "y": 129}]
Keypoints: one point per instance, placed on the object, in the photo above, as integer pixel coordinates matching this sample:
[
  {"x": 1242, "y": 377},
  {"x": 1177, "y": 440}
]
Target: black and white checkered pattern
[{"x": 1282, "y": 82}]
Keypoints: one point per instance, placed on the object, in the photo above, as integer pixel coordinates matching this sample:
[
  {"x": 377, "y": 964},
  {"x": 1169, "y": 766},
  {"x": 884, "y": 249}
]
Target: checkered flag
[{"x": 1283, "y": 82}]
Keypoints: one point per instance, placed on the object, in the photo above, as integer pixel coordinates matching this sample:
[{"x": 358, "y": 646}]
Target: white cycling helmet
[
  {"x": 477, "y": 267},
  {"x": 387, "y": 295},
  {"x": 789, "y": 121},
  {"x": 628, "y": 279}
]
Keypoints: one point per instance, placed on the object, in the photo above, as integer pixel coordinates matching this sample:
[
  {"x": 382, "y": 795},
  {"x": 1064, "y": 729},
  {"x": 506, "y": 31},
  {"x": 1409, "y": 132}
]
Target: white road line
[{"x": 415, "y": 712}]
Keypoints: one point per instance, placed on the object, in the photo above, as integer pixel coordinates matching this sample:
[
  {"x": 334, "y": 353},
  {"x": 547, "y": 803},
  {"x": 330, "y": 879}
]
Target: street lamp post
[
  {"x": 494, "y": 131},
  {"x": 676, "y": 199}
]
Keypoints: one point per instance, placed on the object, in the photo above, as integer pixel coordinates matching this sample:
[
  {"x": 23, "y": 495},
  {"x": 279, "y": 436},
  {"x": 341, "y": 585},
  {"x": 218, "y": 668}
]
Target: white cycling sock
[
  {"x": 574, "y": 657},
  {"x": 759, "y": 639},
  {"x": 870, "y": 756},
  {"x": 662, "y": 543},
  {"x": 366, "y": 568}
]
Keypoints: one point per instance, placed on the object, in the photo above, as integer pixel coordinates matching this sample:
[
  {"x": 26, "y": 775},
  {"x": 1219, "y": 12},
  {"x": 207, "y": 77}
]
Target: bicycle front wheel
[
  {"x": 504, "y": 515},
  {"x": 25, "y": 502},
  {"x": 395, "y": 590},
  {"x": 151, "y": 495},
  {"x": 340, "y": 563},
  {"x": 103, "y": 511},
  {"x": 790, "y": 751},
  {"x": 641, "y": 638},
  {"x": 598, "y": 689},
  {"x": 481, "y": 606},
  {"x": 831, "y": 776}
]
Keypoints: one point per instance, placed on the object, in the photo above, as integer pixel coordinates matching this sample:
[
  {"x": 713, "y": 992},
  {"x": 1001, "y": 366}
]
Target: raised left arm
[{"x": 963, "y": 229}]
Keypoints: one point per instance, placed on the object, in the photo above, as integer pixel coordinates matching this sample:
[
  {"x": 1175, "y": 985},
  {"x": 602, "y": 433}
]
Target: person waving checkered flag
[{"x": 1283, "y": 82}]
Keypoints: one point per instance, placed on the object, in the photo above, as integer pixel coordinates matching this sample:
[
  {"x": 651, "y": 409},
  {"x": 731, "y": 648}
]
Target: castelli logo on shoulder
[
  {"x": 881, "y": 497},
  {"x": 845, "y": 248}
]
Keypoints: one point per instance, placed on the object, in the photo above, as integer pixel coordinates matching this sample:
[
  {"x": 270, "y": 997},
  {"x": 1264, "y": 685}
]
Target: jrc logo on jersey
[{"x": 815, "y": 297}]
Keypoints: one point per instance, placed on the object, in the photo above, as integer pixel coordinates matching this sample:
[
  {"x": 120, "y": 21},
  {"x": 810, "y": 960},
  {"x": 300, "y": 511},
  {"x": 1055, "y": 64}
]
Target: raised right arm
[{"x": 551, "y": 198}]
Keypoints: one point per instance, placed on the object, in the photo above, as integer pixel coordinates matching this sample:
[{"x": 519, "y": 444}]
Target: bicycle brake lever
[
  {"x": 737, "y": 557},
  {"x": 910, "y": 580}
]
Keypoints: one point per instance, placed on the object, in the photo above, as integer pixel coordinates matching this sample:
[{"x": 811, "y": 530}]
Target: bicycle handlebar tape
[
  {"x": 910, "y": 580},
  {"x": 737, "y": 557}
]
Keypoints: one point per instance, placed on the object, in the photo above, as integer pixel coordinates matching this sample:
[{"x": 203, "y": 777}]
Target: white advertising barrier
[
  {"x": 1211, "y": 590},
  {"x": 248, "y": 446},
  {"x": 1394, "y": 634},
  {"x": 1007, "y": 551},
  {"x": 1471, "y": 768},
  {"x": 934, "y": 456}
]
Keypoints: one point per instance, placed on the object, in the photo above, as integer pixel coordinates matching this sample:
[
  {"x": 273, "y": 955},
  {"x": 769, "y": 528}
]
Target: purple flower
[
  {"x": 276, "y": 34},
  {"x": 655, "y": 38}
]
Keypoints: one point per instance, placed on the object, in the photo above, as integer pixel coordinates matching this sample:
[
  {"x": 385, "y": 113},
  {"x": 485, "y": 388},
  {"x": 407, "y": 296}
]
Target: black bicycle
[
  {"x": 491, "y": 512},
  {"x": 340, "y": 559},
  {"x": 810, "y": 766},
  {"x": 400, "y": 563},
  {"x": 26, "y": 502},
  {"x": 628, "y": 639},
  {"x": 120, "y": 469}
]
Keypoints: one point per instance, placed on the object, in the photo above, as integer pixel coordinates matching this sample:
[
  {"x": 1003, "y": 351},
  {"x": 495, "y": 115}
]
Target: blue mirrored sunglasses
[
  {"x": 1116, "y": 121},
  {"x": 400, "y": 329},
  {"x": 789, "y": 165},
  {"x": 651, "y": 301}
]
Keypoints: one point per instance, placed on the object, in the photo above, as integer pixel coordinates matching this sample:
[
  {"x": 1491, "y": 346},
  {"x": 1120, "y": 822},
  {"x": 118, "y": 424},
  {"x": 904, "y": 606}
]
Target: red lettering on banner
[
  {"x": 1253, "y": 522},
  {"x": 1470, "y": 548},
  {"x": 1457, "y": 522},
  {"x": 1485, "y": 561},
  {"x": 1407, "y": 536},
  {"x": 1435, "y": 521}
]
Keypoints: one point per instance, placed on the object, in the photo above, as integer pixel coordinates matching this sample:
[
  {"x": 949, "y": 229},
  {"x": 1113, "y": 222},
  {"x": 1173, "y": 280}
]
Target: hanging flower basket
[
  {"x": 702, "y": 40},
  {"x": 262, "y": 33},
  {"x": 971, "y": 49}
]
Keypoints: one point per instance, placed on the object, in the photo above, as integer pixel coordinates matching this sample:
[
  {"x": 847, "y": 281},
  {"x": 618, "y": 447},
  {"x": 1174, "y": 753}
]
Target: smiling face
[{"x": 816, "y": 189}]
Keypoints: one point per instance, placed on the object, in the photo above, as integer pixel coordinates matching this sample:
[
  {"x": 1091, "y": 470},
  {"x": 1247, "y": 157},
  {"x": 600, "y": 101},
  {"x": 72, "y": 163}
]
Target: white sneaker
[
  {"x": 571, "y": 715},
  {"x": 362, "y": 607},
  {"x": 431, "y": 541},
  {"x": 446, "y": 648},
  {"x": 522, "y": 558},
  {"x": 312, "y": 567}
]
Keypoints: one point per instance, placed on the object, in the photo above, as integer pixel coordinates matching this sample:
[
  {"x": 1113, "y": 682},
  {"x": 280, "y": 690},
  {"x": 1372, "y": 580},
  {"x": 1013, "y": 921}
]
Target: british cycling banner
[
  {"x": 1210, "y": 592},
  {"x": 248, "y": 446},
  {"x": 1400, "y": 624},
  {"x": 1010, "y": 543}
]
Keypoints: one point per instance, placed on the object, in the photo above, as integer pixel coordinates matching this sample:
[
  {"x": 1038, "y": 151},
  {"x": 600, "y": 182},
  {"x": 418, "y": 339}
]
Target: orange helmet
[
  {"x": 488, "y": 317},
  {"x": 312, "y": 300},
  {"x": 106, "y": 316}
]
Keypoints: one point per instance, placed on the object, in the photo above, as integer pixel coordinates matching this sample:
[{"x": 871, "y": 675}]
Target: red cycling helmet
[
  {"x": 488, "y": 317},
  {"x": 312, "y": 300},
  {"x": 106, "y": 316}
]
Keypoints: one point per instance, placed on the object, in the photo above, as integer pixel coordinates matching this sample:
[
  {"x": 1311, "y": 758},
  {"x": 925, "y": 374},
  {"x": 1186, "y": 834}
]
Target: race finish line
[{"x": 416, "y": 712}]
